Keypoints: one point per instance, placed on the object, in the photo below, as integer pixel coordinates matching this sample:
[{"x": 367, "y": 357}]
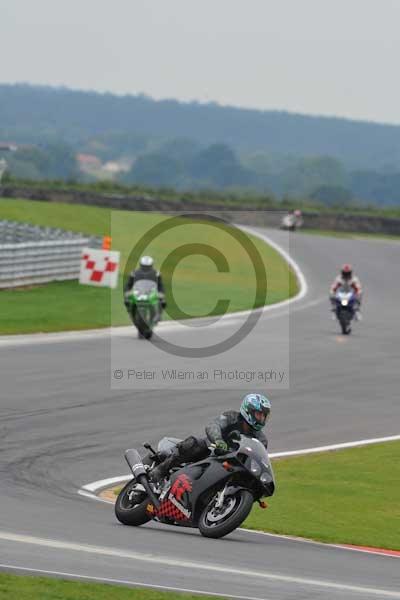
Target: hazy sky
[{"x": 334, "y": 57}]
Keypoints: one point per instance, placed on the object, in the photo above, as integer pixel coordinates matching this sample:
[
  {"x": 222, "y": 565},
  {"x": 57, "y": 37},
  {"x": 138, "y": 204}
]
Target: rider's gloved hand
[{"x": 221, "y": 447}]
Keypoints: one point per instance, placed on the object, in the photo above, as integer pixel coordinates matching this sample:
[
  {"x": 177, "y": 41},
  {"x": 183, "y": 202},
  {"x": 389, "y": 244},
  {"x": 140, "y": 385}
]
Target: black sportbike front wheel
[{"x": 216, "y": 520}]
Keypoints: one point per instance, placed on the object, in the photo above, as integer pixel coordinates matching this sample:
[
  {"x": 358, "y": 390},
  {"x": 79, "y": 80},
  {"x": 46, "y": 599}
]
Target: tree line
[{"x": 191, "y": 146}]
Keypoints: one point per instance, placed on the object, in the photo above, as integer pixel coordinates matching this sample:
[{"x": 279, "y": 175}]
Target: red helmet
[{"x": 347, "y": 271}]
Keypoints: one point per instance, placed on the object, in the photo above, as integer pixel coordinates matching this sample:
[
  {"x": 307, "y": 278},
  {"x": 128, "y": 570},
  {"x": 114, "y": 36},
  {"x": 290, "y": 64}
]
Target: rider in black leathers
[{"x": 193, "y": 449}]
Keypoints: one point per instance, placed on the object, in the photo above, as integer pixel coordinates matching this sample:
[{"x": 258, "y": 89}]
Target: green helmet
[{"x": 255, "y": 410}]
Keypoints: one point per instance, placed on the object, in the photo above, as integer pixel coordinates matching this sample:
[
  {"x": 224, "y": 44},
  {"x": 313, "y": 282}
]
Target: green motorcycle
[{"x": 144, "y": 307}]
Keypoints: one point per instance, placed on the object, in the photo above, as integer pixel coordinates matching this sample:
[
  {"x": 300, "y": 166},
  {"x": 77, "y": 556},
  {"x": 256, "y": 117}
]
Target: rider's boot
[{"x": 162, "y": 470}]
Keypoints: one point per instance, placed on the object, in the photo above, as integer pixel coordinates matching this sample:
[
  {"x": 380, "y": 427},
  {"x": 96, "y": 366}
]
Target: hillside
[{"x": 31, "y": 113}]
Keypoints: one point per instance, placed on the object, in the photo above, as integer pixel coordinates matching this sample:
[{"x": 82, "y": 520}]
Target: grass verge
[
  {"x": 196, "y": 284},
  {"x": 41, "y": 588},
  {"x": 347, "y": 496},
  {"x": 344, "y": 497},
  {"x": 351, "y": 235}
]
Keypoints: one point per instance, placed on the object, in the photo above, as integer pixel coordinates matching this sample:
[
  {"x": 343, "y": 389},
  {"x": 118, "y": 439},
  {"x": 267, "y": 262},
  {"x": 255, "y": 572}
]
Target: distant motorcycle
[
  {"x": 143, "y": 303},
  {"x": 292, "y": 221},
  {"x": 215, "y": 494},
  {"x": 345, "y": 300}
]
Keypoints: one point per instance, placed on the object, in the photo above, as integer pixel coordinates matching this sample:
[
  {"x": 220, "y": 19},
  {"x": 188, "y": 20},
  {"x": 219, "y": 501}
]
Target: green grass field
[
  {"x": 196, "y": 284},
  {"x": 40, "y": 588},
  {"x": 347, "y": 496}
]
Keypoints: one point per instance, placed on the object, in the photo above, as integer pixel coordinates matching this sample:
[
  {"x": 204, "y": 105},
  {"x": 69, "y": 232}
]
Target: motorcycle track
[{"x": 62, "y": 426}]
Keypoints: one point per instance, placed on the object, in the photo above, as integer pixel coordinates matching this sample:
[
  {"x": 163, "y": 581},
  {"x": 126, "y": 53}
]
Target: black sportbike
[{"x": 215, "y": 494}]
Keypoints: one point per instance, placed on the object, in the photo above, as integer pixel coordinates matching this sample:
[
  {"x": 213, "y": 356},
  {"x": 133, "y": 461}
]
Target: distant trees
[
  {"x": 155, "y": 169},
  {"x": 219, "y": 167},
  {"x": 309, "y": 174},
  {"x": 377, "y": 187},
  {"x": 181, "y": 149},
  {"x": 174, "y": 144},
  {"x": 332, "y": 195},
  {"x": 32, "y": 113},
  {"x": 54, "y": 161},
  {"x": 180, "y": 165}
]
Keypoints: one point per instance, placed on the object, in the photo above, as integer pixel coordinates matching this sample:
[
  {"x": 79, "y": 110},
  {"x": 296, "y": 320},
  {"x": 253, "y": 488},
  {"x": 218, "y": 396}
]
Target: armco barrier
[{"x": 38, "y": 262}]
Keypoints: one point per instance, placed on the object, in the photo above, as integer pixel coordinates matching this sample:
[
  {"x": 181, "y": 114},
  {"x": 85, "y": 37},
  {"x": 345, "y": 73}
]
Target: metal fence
[{"x": 31, "y": 255}]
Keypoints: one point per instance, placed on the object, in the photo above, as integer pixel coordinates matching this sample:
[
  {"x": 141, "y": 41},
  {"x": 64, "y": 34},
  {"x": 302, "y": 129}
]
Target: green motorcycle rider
[{"x": 144, "y": 296}]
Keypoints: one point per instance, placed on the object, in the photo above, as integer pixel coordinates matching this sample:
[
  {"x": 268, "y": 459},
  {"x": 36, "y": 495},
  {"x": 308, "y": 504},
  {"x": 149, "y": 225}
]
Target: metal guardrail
[
  {"x": 38, "y": 262},
  {"x": 30, "y": 254}
]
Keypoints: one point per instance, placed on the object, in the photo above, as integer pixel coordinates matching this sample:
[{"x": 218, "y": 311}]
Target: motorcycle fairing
[{"x": 188, "y": 484}]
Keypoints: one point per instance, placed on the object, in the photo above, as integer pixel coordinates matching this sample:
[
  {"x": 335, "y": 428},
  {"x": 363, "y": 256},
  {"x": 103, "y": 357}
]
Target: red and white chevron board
[{"x": 99, "y": 267}]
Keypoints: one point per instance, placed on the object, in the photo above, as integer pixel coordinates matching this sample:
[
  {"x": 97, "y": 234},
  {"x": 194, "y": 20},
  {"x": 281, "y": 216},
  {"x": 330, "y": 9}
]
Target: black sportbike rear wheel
[
  {"x": 215, "y": 522},
  {"x": 131, "y": 504}
]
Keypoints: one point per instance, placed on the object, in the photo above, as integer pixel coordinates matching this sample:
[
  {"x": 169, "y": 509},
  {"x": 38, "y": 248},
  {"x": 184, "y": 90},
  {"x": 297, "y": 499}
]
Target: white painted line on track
[
  {"x": 293, "y": 538},
  {"x": 298, "y": 272},
  {"x": 342, "y": 446},
  {"x": 127, "y": 582},
  {"x": 95, "y": 486},
  {"x": 83, "y": 492},
  {"x": 90, "y": 490},
  {"x": 92, "y": 334},
  {"x": 197, "y": 566}
]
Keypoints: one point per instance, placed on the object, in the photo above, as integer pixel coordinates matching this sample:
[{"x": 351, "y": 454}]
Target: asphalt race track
[{"x": 62, "y": 427}]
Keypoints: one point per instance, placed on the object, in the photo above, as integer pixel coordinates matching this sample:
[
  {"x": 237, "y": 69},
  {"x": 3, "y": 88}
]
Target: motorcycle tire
[
  {"x": 137, "y": 514},
  {"x": 345, "y": 325},
  {"x": 213, "y": 529},
  {"x": 346, "y": 328},
  {"x": 143, "y": 329}
]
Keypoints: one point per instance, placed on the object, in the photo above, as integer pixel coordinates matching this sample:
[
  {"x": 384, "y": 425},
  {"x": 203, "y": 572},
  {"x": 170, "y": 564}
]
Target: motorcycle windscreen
[
  {"x": 144, "y": 286},
  {"x": 256, "y": 450}
]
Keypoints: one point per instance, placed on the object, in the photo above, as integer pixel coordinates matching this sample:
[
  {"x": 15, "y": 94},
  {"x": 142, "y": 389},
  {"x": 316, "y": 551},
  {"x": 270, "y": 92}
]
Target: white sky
[{"x": 332, "y": 57}]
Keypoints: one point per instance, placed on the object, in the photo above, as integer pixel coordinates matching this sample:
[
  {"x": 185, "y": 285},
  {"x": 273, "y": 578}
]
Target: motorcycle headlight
[
  {"x": 143, "y": 297},
  {"x": 255, "y": 468},
  {"x": 345, "y": 302},
  {"x": 265, "y": 478}
]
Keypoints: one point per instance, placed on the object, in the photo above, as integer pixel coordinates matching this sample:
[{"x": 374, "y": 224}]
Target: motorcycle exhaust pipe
[{"x": 135, "y": 463}]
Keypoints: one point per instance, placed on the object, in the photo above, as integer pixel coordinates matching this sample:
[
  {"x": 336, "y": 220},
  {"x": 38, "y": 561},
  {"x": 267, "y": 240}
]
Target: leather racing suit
[
  {"x": 193, "y": 449},
  {"x": 353, "y": 282},
  {"x": 149, "y": 274}
]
